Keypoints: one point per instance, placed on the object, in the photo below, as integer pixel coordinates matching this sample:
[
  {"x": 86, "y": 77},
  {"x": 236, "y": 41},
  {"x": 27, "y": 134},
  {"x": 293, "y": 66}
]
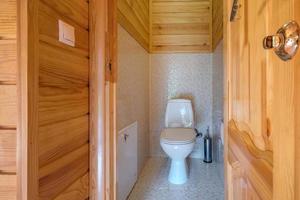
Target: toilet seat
[{"x": 178, "y": 136}]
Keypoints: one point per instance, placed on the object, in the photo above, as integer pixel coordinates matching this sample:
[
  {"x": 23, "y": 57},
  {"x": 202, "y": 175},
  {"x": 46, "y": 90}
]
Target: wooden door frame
[{"x": 102, "y": 99}]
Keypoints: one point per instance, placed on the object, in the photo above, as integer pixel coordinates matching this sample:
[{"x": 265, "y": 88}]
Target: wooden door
[{"x": 260, "y": 103}]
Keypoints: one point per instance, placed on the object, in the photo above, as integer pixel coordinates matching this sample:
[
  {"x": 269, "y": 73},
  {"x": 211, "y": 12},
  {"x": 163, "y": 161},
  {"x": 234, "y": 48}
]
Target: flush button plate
[{"x": 66, "y": 33}]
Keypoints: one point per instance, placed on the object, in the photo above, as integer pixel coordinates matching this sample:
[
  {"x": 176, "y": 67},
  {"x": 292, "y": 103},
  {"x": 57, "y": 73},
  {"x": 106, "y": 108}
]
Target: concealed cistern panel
[{"x": 66, "y": 33}]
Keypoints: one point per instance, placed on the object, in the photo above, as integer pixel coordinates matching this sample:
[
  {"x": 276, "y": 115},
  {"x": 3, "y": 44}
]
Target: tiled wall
[
  {"x": 180, "y": 76},
  {"x": 133, "y": 90},
  {"x": 217, "y": 93},
  {"x": 146, "y": 82}
]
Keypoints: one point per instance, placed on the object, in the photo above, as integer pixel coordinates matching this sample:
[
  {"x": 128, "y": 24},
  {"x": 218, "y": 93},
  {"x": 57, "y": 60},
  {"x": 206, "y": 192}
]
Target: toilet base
[{"x": 178, "y": 172}]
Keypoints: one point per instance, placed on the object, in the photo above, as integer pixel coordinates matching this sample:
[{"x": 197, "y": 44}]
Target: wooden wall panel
[
  {"x": 8, "y": 61},
  {"x": 181, "y": 26},
  {"x": 63, "y": 101},
  {"x": 8, "y": 187},
  {"x": 77, "y": 191},
  {"x": 217, "y": 22},
  {"x": 8, "y": 151},
  {"x": 133, "y": 15},
  {"x": 8, "y": 19},
  {"x": 8, "y": 104},
  {"x": 8, "y": 99}
]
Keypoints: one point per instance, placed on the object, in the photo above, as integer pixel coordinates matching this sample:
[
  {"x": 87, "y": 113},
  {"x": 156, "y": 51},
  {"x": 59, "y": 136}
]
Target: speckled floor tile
[{"x": 205, "y": 182}]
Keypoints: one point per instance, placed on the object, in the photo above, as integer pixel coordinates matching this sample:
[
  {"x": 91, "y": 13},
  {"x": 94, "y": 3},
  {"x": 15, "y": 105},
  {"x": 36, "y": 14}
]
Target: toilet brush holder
[{"x": 207, "y": 148}]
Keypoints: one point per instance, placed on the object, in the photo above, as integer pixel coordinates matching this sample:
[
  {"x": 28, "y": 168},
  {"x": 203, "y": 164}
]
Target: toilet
[{"x": 178, "y": 138}]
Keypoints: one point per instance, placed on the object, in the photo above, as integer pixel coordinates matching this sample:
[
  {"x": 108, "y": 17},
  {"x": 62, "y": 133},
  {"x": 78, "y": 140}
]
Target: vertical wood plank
[
  {"x": 283, "y": 116},
  {"x": 28, "y": 84},
  {"x": 98, "y": 28},
  {"x": 297, "y": 112}
]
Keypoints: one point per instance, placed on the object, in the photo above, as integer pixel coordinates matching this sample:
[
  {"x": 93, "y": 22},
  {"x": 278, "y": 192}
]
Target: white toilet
[{"x": 178, "y": 137}]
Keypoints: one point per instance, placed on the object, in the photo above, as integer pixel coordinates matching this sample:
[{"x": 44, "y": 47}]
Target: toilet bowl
[
  {"x": 178, "y": 138},
  {"x": 178, "y": 144}
]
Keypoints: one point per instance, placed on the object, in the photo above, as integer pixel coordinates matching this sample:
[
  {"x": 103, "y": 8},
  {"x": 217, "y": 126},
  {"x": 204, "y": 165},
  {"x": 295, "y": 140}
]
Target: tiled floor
[{"x": 205, "y": 182}]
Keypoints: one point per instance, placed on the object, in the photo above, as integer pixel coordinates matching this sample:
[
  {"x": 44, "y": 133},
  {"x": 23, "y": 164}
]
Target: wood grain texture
[
  {"x": 256, "y": 165},
  {"x": 8, "y": 99},
  {"x": 8, "y": 62},
  {"x": 63, "y": 107},
  {"x": 63, "y": 69},
  {"x": 8, "y": 145},
  {"x": 8, "y": 187},
  {"x": 77, "y": 191},
  {"x": 60, "y": 174},
  {"x": 134, "y": 16},
  {"x": 8, "y": 19},
  {"x": 217, "y": 22},
  {"x": 297, "y": 111},
  {"x": 8, "y": 104},
  {"x": 59, "y": 104},
  {"x": 48, "y": 25},
  {"x": 76, "y": 11},
  {"x": 261, "y": 101},
  {"x": 283, "y": 107},
  {"x": 54, "y": 96},
  {"x": 59, "y": 139},
  {"x": 28, "y": 77},
  {"x": 181, "y": 26}
]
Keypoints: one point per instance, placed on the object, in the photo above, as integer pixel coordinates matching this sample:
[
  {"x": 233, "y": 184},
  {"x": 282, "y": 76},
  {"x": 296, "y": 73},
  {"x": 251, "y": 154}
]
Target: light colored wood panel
[
  {"x": 8, "y": 188},
  {"x": 179, "y": 48},
  {"x": 58, "y": 139},
  {"x": 191, "y": 40},
  {"x": 8, "y": 145},
  {"x": 181, "y": 26},
  {"x": 8, "y": 105},
  {"x": 180, "y": 18},
  {"x": 217, "y": 22},
  {"x": 282, "y": 95},
  {"x": 62, "y": 68},
  {"x": 181, "y": 7},
  {"x": 8, "y": 19},
  {"x": 48, "y": 27},
  {"x": 53, "y": 41},
  {"x": 258, "y": 71},
  {"x": 132, "y": 10},
  {"x": 180, "y": 29},
  {"x": 77, "y": 11},
  {"x": 297, "y": 110},
  {"x": 60, "y": 174},
  {"x": 256, "y": 164},
  {"x": 77, "y": 191},
  {"x": 8, "y": 61},
  {"x": 28, "y": 68},
  {"x": 58, "y": 104}
]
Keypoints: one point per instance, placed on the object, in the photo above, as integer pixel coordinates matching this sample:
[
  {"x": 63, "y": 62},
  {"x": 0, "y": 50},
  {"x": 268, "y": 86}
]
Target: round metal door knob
[{"x": 286, "y": 42}]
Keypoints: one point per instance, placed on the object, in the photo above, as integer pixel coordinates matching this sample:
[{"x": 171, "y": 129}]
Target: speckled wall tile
[
  {"x": 133, "y": 90},
  {"x": 217, "y": 93},
  {"x": 218, "y": 85},
  {"x": 180, "y": 76}
]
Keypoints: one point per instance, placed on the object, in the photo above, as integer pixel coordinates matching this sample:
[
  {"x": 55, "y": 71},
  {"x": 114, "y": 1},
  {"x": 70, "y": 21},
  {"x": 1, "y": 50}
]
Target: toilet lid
[{"x": 178, "y": 135}]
